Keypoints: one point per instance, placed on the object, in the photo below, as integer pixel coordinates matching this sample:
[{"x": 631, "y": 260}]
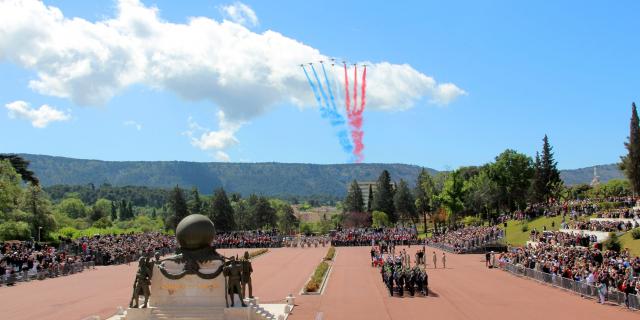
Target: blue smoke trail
[
  {"x": 336, "y": 119},
  {"x": 326, "y": 79},
  {"x": 313, "y": 87}
]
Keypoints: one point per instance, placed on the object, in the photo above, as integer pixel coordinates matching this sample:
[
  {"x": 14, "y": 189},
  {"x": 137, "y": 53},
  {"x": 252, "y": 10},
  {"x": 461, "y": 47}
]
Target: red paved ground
[
  {"x": 465, "y": 290},
  {"x": 100, "y": 291}
]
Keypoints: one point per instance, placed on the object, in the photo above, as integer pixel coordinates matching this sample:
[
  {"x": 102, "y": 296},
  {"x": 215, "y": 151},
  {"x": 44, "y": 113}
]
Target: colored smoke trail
[
  {"x": 354, "y": 112},
  {"x": 313, "y": 88},
  {"x": 347, "y": 102},
  {"x": 336, "y": 120},
  {"x": 326, "y": 79}
]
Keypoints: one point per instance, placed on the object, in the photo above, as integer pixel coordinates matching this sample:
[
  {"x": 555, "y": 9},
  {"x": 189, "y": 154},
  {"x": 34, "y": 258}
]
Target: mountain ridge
[{"x": 267, "y": 178}]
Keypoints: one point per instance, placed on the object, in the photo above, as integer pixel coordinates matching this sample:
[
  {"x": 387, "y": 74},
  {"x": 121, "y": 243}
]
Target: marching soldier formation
[{"x": 400, "y": 277}]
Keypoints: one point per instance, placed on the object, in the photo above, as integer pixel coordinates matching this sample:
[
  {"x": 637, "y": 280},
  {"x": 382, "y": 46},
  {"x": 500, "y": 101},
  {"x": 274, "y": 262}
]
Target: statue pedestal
[{"x": 194, "y": 298}]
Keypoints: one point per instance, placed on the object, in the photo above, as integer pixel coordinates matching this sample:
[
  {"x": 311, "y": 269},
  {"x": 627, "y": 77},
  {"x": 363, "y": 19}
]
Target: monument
[{"x": 197, "y": 282}]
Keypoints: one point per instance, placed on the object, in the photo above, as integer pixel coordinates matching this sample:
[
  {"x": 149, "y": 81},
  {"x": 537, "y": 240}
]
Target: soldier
[
  {"x": 233, "y": 272},
  {"x": 444, "y": 260},
  {"x": 400, "y": 281},
  {"x": 141, "y": 283},
  {"x": 247, "y": 269},
  {"x": 435, "y": 260},
  {"x": 411, "y": 277}
]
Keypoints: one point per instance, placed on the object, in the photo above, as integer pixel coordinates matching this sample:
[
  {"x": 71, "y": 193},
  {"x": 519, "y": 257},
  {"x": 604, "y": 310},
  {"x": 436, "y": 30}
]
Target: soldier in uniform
[
  {"x": 247, "y": 269},
  {"x": 233, "y": 272},
  {"x": 141, "y": 283},
  {"x": 400, "y": 281}
]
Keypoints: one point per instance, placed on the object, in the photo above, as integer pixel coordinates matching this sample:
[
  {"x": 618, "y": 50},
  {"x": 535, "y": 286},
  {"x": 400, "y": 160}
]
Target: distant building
[
  {"x": 596, "y": 179},
  {"x": 364, "y": 187}
]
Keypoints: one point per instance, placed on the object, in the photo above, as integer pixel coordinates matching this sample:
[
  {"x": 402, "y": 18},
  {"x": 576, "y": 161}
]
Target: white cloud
[
  {"x": 206, "y": 139},
  {"x": 40, "y": 117},
  {"x": 240, "y": 13},
  {"x": 243, "y": 73},
  {"x": 222, "y": 156},
  {"x": 131, "y": 123}
]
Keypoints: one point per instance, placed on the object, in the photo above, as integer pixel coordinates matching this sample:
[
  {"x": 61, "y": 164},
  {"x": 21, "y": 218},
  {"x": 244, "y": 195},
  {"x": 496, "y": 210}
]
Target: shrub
[
  {"x": 635, "y": 233},
  {"x": 471, "y": 221},
  {"x": 258, "y": 252},
  {"x": 613, "y": 243},
  {"x": 12, "y": 230},
  {"x": 330, "y": 254},
  {"x": 525, "y": 227},
  {"x": 316, "y": 279},
  {"x": 380, "y": 219}
]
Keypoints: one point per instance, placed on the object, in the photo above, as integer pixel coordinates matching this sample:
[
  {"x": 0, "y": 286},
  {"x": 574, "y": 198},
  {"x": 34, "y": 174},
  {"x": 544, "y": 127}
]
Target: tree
[
  {"x": 380, "y": 219},
  {"x": 264, "y": 214},
  {"x": 452, "y": 195},
  {"x": 383, "y": 197},
  {"x": 101, "y": 209},
  {"x": 287, "y": 221},
  {"x": 21, "y": 167},
  {"x": 10, "y": 191},
  {"x": 480, "y": 193},
  {"x": 353, "y": 202},
  {"x": 425, "y": 194},
  {"x": 73, "y": 207},
  {"x": 370, "y": 198},
  {"x": 114, "y": 211},
  {"x": 404, "y": 202},
  {"x": 512, "y": 173},
  {"x": 546, "y": 176},
  {"x": 177, "y": 207},
  {"x": 39, "y": 207},
  {"x": 195, "y": 203},
  {"x": 222, "y": 211},
  {"x": 631, "y": 162}
]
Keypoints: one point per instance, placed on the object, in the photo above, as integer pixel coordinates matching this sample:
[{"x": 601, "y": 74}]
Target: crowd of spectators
[
  {"x": 369, "y": 236},
  {"x": 605, "y": 226},
  {"x": 467, "y": 238},
  {"x": 248, "y": 239},
  {"x": 563, "y": 238},
  {"x": 617, "y": 207},
  {"x": 123, "y": 248},
  {"x": 606, "y": 270},
  {"x": 17, "y": 257}
]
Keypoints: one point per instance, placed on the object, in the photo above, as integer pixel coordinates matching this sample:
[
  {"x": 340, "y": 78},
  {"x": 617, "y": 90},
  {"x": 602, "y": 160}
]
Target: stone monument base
[{"x": 252, "y": 312}]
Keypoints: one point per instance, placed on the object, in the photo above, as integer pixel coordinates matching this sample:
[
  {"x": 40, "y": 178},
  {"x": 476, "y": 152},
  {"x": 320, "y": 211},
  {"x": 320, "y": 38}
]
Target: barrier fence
[
  {"x": 57, "y": 271},
  {"x": 632, "y": 301}
]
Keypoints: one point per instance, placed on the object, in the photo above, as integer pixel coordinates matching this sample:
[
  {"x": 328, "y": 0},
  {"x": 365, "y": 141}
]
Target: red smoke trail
[
  {"x": 355, "y": 89},
  {"x": 355, "y": 119},
  {"x": 347, "y": 102}
]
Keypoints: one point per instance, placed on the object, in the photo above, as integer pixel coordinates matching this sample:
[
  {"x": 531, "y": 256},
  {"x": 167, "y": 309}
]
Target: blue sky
[{"x": 569, "y": 70}]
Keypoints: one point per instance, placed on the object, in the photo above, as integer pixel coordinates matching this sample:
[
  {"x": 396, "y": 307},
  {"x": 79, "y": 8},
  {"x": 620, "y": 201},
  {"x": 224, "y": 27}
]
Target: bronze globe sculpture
[{"x": 195, "y": 232}]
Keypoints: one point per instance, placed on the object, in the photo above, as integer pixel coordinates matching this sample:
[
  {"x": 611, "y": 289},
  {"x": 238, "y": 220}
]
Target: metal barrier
[
  {"x": 632, "y": 301},
  {"x": 57, "y": 271}
]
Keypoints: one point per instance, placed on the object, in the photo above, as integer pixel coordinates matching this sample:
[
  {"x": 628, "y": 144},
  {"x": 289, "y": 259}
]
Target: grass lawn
[
  {"x": 633, "y": 245},
  {"x": 516, "y": 237}
]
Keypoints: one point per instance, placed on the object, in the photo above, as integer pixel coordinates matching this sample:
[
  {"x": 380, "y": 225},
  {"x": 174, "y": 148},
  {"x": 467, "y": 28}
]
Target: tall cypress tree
[
  {"x": 114, "y": 211},
  {"x": 551, "y": 175},
  {"x": 383, "y": 197},
  {"x": 404, "y": 202},
  {"x": 370, "y": 199},
  {"x": 195, "y": 203},
  {"x": 538, "y": 185},
  {"x": 354, "y": 202},
  {"x": 425, "y": 194},
  {"x": 177, "y": 206},
  {"x": 631, "y": 162},
  {"x": 222, "y": 211}
]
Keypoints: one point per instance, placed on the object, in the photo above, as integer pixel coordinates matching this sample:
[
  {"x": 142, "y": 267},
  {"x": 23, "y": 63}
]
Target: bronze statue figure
[
  {"x": 141, "y": 283},
  {"x": 247, "y": 269},
  {"x": 233, "y": 272}
]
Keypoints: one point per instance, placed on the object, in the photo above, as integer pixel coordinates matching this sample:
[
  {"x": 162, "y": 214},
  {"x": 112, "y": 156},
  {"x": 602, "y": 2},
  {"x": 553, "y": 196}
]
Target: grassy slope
[
  {"x": 516, "y": 237},
  {"x": 633, "y": 245}
]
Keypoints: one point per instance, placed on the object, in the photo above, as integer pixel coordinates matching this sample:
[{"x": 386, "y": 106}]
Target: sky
[{"x": 449, "y": 83}]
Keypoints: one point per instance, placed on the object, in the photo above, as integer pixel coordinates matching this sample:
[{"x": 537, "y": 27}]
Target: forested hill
[{"x": 270, "y": 179}]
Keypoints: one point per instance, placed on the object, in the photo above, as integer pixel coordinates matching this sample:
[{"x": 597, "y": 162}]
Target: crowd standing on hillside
[
  {"x": 467, "y": 238},
  {"x": 371, "y": 236}
]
